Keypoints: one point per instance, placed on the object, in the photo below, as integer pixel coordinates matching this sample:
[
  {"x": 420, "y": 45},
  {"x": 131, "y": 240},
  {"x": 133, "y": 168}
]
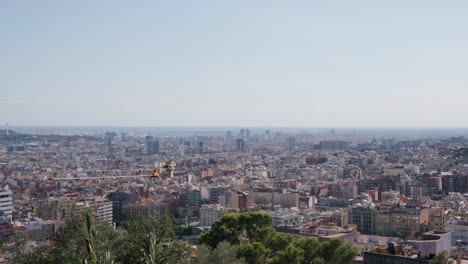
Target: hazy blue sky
[{"x": 234, "y": 63}]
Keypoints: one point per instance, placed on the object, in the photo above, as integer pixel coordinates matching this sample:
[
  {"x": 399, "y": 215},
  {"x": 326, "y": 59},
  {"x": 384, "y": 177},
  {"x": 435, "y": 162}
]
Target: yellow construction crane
[
  {"x": 155, "y": 174},
  {"x": 170, "y": 167}
]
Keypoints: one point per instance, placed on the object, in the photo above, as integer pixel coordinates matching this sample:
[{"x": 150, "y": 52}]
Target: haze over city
[
  {"x": 233, "y": 132},
  {"x": 241, "y": 63}
]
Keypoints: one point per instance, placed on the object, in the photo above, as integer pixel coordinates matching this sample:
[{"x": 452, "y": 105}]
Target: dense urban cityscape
[
  {"x": 233, "y": 132},
  {"x": 401, "y": 194}
]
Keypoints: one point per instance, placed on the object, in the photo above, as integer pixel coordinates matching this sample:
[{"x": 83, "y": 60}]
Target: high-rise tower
[{"x": 240, "y": 145}]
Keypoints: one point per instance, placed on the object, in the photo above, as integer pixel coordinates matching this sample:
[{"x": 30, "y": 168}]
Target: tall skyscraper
[
  {"x": 152, "y": 146},
  {"x": 147, "y": 140},
  {"x": 291, "y": 143},
  {"x": 242, "y": 133},
  {"x": 240, "y": 145},
  {"x": 199, "y": 149},
  {"x": 109, "y": 138},
  {"x": 247, "y": 133}
]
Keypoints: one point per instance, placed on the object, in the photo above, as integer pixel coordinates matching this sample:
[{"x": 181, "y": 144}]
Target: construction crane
[
  {"x": 90, "y": 178},
  {"x": 170, "y": 168},
  {"x": 153, "y": 175}
]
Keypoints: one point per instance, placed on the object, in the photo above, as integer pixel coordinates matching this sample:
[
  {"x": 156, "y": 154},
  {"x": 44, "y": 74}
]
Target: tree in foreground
[
  {"x": 89, "y": 234},
  {"x": 290, "y": 255},
  {"x": 145, "y": 241},
  {"x": 152, "y": 240},
  {"x": 269, "y": 246},
  {"x": 231, "y": 227},
  {"x": 254, "y": 253},
  {"x": 224, "y": 253}
]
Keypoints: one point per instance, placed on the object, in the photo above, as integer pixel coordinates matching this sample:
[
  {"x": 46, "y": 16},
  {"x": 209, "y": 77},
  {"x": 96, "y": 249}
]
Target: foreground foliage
[
  {"x": 246, "y": 238},
  {"x": 265, "y": 245},
  {"x": 143, "y": 241},
  {"x": 441, "y": 258},
  {"x": 224, "y": 253}
]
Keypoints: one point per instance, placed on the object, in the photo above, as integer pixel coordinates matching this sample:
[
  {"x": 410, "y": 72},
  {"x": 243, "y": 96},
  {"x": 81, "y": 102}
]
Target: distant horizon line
[{"x": 232, "y": 126}]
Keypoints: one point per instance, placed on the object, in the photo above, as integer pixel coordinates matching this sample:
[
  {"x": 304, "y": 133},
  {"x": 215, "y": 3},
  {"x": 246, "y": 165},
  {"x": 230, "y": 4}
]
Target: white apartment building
[
  {"x": 286, "y": 217},
  {"x": 459, "y": 230},
  {"x": 101, "y": 209},
  {"x": 6, "y": 206},
  {"x": 210, "y": 213}
]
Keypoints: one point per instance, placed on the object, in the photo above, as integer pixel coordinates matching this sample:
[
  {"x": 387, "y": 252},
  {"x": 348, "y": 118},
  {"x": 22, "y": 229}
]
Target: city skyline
[
  {"x": 263, "y": 64},
  {"x": 239, "y": 132}
]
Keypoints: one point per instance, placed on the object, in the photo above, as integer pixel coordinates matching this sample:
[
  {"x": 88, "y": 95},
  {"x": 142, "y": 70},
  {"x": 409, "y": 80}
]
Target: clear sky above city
[{"x": 234, "y": 63}]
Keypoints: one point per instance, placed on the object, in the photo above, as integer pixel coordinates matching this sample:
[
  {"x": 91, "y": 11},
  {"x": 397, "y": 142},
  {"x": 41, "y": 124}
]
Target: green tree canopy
[
  {"x": 232, "y": 226},
  {"x": 152, "y": 238},
  {"x": 152, "y": 241},
  {"x": 224, "y": 253},
  {"x": 254, "y": 253},
  {"x": 70, "y": 244},
  {"x": 290, "y": 255},
  {"x": 311, "y": 248},
  {"x": 145, "y": 241},
  {"x": 269, "y": 246}
]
